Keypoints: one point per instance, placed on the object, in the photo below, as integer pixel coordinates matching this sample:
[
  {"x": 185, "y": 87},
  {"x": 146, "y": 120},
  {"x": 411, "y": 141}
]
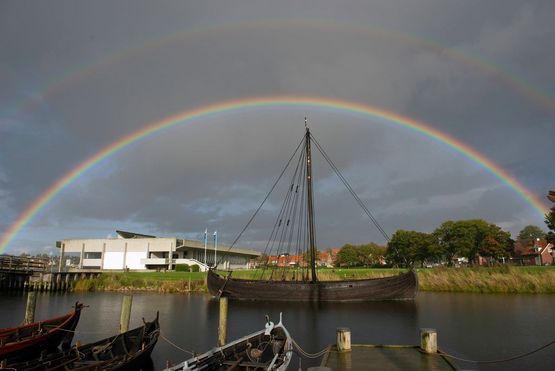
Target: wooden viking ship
[
  {"x": 128, "y": 351},
  {"x": 29, "y": 341},
  {"x": 267, "y": 349},
  {"x": 295, "y": 227}
]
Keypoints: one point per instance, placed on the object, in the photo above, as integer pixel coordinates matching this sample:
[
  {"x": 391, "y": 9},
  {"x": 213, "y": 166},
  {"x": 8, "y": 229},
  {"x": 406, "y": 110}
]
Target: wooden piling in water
[
  {"x": 222, "y": 328},
  {"x": 343, "y": 339},
  {"x": 30, "y": 308},
  {"x": 125, "y": 313},
  {"x": 428, "y": 340}
]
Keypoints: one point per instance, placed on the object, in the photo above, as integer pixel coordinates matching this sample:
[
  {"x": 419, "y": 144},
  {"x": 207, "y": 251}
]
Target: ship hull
[{"x": 401, "y": 287}]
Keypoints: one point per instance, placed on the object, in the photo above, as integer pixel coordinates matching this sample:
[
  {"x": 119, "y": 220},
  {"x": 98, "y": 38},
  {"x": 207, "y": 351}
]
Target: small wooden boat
[
  {"x": 268, "y": 349},
  {"x": 127, "y": 351},
  {"x": 29, "y": 341}
]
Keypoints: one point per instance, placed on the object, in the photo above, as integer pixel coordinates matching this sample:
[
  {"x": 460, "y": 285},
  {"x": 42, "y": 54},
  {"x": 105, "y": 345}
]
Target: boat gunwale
[
  {"x": 64, "y": 318},
  {"x": 245, "y": 280}
]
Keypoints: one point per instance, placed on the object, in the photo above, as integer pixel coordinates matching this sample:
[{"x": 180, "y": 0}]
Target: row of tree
[
  {"x": 463, "y": 238},
  {"x": 452, "y": 239}
]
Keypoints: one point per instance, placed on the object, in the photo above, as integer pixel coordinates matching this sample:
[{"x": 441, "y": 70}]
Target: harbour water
[{"x": 472, "y": 326}]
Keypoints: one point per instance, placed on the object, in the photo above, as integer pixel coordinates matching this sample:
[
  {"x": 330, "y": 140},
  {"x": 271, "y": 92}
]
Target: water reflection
[{"x": 472, "y": 326}]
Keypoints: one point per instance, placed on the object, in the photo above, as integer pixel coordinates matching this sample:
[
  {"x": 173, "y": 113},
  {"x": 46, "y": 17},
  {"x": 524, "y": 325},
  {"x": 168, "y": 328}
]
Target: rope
[
  {"x": 176, "y": 346},
  {"x": 84, "y": 332},
  {"x": 263, "y": 202},
  {"x": 306, "y": 354},
  {"x": 499, "y": 360},
  {"x": 351, "y": 190}
]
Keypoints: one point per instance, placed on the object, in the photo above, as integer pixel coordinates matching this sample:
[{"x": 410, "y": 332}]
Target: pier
[
  {"x": 32, "y": 274},
  {"x": 344, "y": 356}
]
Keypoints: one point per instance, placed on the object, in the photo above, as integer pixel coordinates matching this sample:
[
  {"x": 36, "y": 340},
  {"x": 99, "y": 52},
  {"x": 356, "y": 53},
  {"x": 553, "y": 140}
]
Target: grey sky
[{"x": 76, "y": 75}]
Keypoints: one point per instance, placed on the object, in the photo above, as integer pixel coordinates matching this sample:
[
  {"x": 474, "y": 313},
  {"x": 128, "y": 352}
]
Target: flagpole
[
  {"x": 205, "y": 244},
  {"x": 215, "y": 248}
]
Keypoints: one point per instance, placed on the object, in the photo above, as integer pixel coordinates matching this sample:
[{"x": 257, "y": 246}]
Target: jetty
[
  {"x": 20, "y": 273},
  {"x": 344, "y": 356}
]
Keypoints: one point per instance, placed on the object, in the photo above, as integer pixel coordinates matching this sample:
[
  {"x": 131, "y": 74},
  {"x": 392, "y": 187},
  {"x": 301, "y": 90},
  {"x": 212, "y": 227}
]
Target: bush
[
  {"x": 195, "y": 268},
  {"x": 182, "y": 268}
]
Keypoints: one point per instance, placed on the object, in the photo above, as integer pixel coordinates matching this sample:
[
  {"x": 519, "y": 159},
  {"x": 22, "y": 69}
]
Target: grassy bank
[
  {"x": 506, "y": 280},
  {"x": 509, "y": 280},
  {"x": 168, "y": 282}
]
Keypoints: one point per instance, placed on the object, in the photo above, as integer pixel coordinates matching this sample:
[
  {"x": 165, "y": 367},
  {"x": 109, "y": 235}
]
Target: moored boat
[
  {"x": 128, "y": 351},
  {"x": 267, "y": 349},
  {"x": 29, "y": 341},
  {"x": 294, "y": 233},
  {"x": 400, "y": 287}
]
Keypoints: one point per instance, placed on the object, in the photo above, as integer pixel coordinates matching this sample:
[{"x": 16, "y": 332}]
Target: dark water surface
[{"x": 480, "y": 327}]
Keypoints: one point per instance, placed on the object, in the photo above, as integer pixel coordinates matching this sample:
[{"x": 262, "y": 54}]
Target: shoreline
[{"x": 485, "y": 280}]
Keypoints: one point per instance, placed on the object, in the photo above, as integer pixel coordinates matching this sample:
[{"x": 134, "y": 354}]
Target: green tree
[
  {"x": 496, "y": 243},
  {"x": 370, "y": 253},
  {"x": 468, "y": 238},
  {"x": 531, "y": 232},
  {"x": 347, "y": 256},
  {"x": 360, "y": 255},
  {"x": 408, "y": 247},
  {"x": 550, "y": 221},
  {"x": 458, "y": 238}
]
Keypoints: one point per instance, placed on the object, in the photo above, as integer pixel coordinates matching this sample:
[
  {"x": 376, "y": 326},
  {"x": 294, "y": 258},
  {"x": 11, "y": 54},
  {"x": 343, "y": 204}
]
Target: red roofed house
[{"x": 535, "y": 252}]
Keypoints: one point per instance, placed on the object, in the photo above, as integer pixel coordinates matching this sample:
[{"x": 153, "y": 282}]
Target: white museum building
[{"x": 134, "y": 251}]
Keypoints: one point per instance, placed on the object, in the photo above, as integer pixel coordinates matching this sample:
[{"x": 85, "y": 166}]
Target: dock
[
  {"x": 384, "y": 357},
  {"x": 32, "y": 274},
  {"x": 344, "y": 356}
]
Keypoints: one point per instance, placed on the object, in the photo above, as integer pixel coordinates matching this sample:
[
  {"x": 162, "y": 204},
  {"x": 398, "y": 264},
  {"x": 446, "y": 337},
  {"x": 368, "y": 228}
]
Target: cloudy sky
[{"x": 76, "y": 76}]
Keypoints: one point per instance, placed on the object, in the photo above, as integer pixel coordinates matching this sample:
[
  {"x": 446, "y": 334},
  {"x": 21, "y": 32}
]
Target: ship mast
[{"x": 310, "y": 205}]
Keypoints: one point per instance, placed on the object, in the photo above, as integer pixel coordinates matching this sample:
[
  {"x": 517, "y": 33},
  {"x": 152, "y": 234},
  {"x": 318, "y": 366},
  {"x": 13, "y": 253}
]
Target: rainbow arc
[{"x": 285, "y": 102}]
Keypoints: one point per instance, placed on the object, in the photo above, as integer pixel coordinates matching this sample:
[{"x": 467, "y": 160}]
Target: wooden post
[
  {"x": 125, "y": 313},
  {"x": 428, "y": 340},
  {"x": 222, "y": 329},
  {"x": 30, "y": 308},
  {"x": 343, "y": 339}
]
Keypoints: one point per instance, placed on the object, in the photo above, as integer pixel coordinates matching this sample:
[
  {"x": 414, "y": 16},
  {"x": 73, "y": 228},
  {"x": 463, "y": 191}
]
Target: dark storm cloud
[{"x": 424, "y": 59}]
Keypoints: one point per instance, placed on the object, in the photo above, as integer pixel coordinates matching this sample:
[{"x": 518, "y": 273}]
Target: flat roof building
[{"x": 134, "y": 251}]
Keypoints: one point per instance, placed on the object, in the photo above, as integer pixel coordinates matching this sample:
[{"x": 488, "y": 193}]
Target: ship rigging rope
[
  {"x": 265, "y": 199},
  {"x": 350, "y": 189},
  {"x": 283, "y": 231},
  {"x": 442, "y": 353}
]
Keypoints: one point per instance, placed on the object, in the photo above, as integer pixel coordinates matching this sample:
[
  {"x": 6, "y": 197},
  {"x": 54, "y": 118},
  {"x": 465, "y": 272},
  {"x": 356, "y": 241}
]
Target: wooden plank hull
[
  {"x": 401, "y": 287},
  {"x": 129, "y": 351},
  {"x": 269, "y": 349},
  {"x": 28, "y": 341}
]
